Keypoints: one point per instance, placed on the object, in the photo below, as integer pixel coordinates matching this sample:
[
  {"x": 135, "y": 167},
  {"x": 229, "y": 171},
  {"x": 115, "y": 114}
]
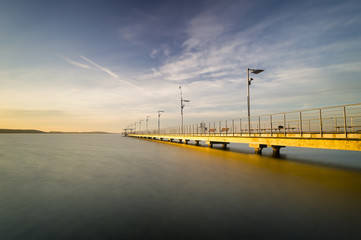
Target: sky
[{"x": 103, "y": 65}]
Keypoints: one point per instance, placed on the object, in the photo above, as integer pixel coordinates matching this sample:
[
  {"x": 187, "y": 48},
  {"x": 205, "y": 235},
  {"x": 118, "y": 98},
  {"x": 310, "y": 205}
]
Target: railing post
[
  {"x": 220, "y": 125},
  {"x": 344, "y": 121},
  {"x": 240, "y": 126},
  {"x": 300, "y": 123},
  {"x": 226, "y": 128},
  {"x": 270, "y": 121},
  {"x": 320, "y": 123},
  {"x": 284, "y": 123},
  {"x": 233, "y": 127}
]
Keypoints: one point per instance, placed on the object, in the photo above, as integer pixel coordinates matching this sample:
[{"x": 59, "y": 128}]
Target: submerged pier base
[
  {"x": 258, "y": 147},
  {"x": 224, "y": 144},
  {"x": 276, "y": 149}
]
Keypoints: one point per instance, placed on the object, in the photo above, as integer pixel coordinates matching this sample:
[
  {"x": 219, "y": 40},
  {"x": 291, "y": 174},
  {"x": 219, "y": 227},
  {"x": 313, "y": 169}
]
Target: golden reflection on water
[{"x": 316, "y": 176}]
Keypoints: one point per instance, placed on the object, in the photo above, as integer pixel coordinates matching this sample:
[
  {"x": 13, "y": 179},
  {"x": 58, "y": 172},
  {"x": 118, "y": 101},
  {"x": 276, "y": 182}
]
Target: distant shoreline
[{"x": 51, "y": 132}]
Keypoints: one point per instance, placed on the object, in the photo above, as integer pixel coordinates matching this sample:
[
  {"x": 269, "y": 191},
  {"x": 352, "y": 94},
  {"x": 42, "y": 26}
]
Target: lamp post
[
  {"x": 159, "y": 113},
  {"x": 135, "y": 126},
  {"x": 146, "y": 120},
  {"x": 182, "y": 106},
  {"x": 140, "y": 125},
  {"x": 255, "y": 71}
]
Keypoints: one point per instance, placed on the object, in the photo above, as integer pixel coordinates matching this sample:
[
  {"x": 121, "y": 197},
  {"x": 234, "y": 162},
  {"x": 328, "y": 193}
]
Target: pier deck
[{"x": 336, "y": 127}]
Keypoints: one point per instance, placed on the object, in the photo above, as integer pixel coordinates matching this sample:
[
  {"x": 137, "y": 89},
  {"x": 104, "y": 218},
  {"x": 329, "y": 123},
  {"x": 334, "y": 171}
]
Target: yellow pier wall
[{"x": 351, "y": 144}]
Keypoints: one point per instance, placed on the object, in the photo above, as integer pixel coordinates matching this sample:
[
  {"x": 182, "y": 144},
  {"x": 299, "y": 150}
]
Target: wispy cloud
[
  {"x": 106, "y": 70},
  {"x": 78, "y": 64},
  {"x": 214, "y": 57},
  {"x": 162, "y": 53},
  {"x": 109, "y": 72}
]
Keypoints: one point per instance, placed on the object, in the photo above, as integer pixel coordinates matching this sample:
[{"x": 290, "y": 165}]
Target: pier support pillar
[
  {"x": 258, "y": 147},
  {"x": 197, "y": 142},
  {"x": 180, "y": 140},
  {"x": 276, "y": 149},
  {"x": 161, "y": 139},
  {"x": 186, "y": 141},
  {"x": 171, "y": 139},
  {"x": 224, "y": 144}
]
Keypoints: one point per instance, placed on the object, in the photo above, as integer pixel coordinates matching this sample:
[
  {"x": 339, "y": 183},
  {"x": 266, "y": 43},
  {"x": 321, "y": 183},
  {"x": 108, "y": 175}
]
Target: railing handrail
[{"x": 301, "y": 122}]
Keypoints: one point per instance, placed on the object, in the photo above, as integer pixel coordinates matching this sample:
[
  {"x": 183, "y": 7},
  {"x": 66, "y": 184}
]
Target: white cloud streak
[
  {"x": 109, "y": 72},
  {"x": 81, "y": 65},
  {"x": 104, "y": 69},
  {"x": 78, "y": 64}
]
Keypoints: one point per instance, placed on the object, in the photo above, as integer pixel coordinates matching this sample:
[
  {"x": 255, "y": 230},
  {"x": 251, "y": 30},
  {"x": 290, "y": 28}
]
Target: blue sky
[{"x": 101, "y": 65}]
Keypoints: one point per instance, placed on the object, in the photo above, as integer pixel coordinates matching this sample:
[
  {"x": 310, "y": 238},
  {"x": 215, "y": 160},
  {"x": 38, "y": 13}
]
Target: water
[{"x": 111, "y": 187}]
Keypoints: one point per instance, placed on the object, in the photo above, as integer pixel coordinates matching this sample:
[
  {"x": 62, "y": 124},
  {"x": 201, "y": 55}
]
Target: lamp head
[{"x": 256, "y": 71}]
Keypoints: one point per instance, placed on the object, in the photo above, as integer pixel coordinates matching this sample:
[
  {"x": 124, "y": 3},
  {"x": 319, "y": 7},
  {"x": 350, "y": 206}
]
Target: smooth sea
[{"x": 105, "y": 186}]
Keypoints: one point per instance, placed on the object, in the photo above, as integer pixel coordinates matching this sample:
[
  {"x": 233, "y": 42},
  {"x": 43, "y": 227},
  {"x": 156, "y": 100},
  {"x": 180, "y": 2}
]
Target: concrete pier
[
  {"x": 337, "y": 127},
  {"x": 274, "y": 141}
]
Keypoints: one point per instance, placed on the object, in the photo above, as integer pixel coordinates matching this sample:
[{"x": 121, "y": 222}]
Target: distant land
[{"x": 51, "y": 132}]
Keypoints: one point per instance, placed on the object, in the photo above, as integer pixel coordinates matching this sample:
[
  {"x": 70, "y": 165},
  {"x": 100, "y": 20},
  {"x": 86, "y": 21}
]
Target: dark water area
[{"x": 112, "y": 187}]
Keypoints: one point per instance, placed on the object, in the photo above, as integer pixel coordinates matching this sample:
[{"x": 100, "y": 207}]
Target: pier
[{"x": 337, "y": 127}]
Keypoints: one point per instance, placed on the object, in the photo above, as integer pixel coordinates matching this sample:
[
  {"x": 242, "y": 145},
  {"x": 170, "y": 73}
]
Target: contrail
[{"x": 108, "y": 71}]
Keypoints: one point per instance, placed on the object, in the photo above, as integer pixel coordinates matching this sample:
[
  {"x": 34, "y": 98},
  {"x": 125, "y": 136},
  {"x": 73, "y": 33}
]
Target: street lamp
[
  {"x": 135, "y": 126},
  {"x": 146, "y": 120},
  {"x": 182, "y": 105},
  {"x": 159, "y": 113},
  {"x": 255, "y": 71},
  {"x": 140, "y": 125}
]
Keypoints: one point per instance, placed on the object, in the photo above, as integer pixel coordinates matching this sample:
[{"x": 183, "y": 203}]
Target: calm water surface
[{"x": 112, "y": 187}]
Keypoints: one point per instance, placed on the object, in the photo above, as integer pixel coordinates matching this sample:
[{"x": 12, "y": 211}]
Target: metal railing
[{"x": 342, "y": 121}]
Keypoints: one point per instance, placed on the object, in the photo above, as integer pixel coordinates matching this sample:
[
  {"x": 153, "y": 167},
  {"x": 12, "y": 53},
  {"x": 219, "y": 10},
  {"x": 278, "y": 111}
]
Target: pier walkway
[{"x": 336, "y": 127}]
